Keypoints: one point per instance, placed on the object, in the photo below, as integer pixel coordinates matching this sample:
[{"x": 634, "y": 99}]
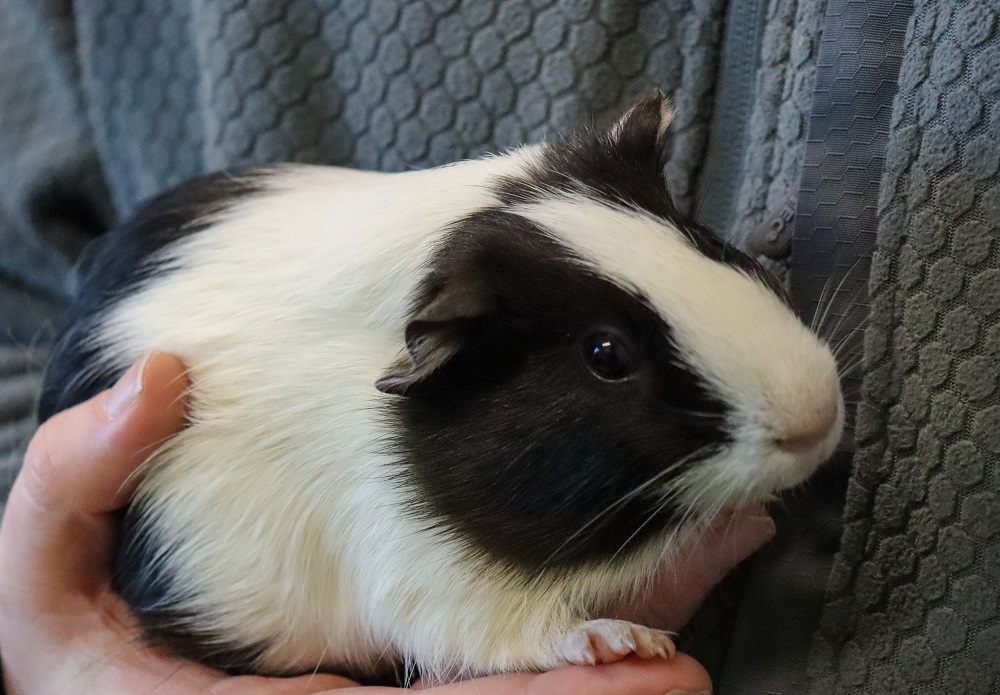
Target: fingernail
[
  {"x": 766, "y": 526},
  {"x": 124, "y": 394}
]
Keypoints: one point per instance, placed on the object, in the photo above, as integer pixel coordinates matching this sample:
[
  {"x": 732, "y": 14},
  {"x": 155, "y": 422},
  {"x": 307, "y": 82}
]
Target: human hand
[
  {"x": 681, "y": 585},
  {"x": 64, "y": 629}
]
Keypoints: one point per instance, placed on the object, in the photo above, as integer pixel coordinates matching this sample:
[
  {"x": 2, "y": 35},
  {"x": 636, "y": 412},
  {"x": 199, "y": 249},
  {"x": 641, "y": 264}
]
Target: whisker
[
  {"x": 848, "y": 353},
  {"x": 711, "y": 417},
  {"x": 846, "y": 340},
  {"x": 847, "y": 312},
  {"x": 627, "y": 497},
  {"x": 847, "y": 369},
  {"x": 821, "y": 309},
  {"x": 819, "y": 304},
  {"x": 691, "y": 506},
  {"x": 850, "y": 308},
  {"x": 836, "y": 293},
  {"x": 652, "y": 515},
  {"x": 848, "y": 356}
]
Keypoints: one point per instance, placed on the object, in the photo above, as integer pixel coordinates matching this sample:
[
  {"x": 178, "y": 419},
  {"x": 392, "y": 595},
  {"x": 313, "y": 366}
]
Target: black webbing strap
[{"x": 837, "y": 212}]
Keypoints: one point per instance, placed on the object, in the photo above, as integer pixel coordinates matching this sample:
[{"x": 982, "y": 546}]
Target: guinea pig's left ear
[
  {"x": 435, "y": 335},
  {"x": 644, "y": 126}
]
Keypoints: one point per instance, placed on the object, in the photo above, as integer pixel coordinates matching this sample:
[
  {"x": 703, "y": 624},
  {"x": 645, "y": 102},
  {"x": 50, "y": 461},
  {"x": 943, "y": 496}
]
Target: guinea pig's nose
[{"x": 811, "y": 427}]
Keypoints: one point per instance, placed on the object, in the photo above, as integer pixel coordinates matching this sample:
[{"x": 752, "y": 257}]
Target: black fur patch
[
  {"x": 147, "y": 586},
  {"x": 514, "y": 443}
]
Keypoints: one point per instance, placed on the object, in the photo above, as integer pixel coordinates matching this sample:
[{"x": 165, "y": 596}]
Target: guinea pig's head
[{"x": 586, "y": 370}]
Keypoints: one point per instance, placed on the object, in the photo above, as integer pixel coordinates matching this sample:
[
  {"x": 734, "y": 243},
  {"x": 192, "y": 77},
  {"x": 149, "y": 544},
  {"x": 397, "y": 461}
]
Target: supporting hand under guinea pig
[{"x": 63, "y": 629}]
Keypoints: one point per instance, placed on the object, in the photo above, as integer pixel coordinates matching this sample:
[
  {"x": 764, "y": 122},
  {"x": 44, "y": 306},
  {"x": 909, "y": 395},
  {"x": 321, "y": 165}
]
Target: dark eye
[{"x": 608, "y": 356}]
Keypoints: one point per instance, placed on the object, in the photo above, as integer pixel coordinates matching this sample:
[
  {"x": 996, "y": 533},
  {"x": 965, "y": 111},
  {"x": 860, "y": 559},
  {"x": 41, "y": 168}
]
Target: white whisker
[
  {"x": 845, "y": 341},
  {"x": 624, "y": 499},
  {"x": 814, "y": 324},
  {"x": 836, "y": 293}
]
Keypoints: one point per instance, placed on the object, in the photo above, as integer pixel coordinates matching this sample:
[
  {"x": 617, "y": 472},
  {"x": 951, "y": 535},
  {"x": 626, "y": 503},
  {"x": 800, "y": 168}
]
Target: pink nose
[{"x": 810, "y": 428}]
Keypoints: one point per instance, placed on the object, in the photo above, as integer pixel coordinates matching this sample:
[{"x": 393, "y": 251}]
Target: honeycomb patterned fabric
[
  {"x": 105, "y": 102},
  {"x": 52, "y": 201},
  {"x": 182, "y": 87},
  {"x": 778, "y": 122},
  {"x": 914, "y": 591}
]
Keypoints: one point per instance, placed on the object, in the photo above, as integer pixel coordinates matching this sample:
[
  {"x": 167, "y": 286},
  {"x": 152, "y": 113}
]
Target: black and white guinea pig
[{"x": 440, "y": 417}]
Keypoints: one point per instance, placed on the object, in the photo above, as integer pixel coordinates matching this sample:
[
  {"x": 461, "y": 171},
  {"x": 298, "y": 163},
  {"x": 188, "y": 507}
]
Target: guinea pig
[{"x": 439, "y": 418}]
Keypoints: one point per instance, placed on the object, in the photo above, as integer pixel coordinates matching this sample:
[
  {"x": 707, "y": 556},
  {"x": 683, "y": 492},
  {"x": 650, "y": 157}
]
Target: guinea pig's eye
[{"x": 608, "y": 356}]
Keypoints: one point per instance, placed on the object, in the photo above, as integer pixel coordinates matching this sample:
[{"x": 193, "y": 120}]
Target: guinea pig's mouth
[{"x": 758, "y": 466}]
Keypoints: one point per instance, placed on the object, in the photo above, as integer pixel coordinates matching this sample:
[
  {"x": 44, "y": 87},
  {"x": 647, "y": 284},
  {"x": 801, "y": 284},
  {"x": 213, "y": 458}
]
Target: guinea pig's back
[
  {"x": 115, "y": 264},
  {"x": 284, "y": 291},
  {"x": 208, "y": 247}
]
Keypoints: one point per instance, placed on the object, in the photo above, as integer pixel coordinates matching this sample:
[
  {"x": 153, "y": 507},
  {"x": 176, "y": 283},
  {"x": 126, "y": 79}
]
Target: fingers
[
  {"x": 81, "y": 458},
  {"x": 654, "y": 677},
  {"x": 682, "y": 584},
  {"x": 728, "y": 542},
  {"x": 629, "y": 677},
  {"x": 57, "y": 534},
  {"x": 302, "y": 685}
]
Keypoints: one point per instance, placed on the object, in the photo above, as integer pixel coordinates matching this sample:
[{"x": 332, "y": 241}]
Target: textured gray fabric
[
  {"x": 48, "y": 169},
  {"x": 857, "y": 70},
  {"x": 20, "y": 380},
  {"x": 784, "y": 593},
  {"x": 855, "y": 81},
  {"x": 778, "y": 124},
  {"x": 914, "y": 591},
  {"x": 182, "y": 87},
  {"x": 51, "y": 199},
  {"x": 739, "y": 60}
]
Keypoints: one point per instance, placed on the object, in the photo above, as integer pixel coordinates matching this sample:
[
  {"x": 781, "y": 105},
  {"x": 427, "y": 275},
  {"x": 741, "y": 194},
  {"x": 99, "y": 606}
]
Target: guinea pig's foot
[{"x": 607, "y": 641}]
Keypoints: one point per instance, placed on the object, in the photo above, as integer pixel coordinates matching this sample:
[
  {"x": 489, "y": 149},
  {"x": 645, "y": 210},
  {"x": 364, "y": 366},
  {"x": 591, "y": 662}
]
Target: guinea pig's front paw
[{"x": 608, "y": 641}]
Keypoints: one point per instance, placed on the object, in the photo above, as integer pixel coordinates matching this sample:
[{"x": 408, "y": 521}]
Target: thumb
[{"x": 57, "y": 531}]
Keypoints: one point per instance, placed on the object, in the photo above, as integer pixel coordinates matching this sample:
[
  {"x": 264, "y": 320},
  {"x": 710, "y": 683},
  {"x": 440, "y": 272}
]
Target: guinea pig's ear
[
  {"x": 435, "y": 335},
  {"x": 644, "y": 126}
]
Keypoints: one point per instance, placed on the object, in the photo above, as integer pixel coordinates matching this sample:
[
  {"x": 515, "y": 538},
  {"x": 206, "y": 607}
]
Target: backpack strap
[{"x": 831, "y": 236}]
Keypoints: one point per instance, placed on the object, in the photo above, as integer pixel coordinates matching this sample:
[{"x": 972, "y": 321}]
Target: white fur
[{"x": 276, "y": 502}]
